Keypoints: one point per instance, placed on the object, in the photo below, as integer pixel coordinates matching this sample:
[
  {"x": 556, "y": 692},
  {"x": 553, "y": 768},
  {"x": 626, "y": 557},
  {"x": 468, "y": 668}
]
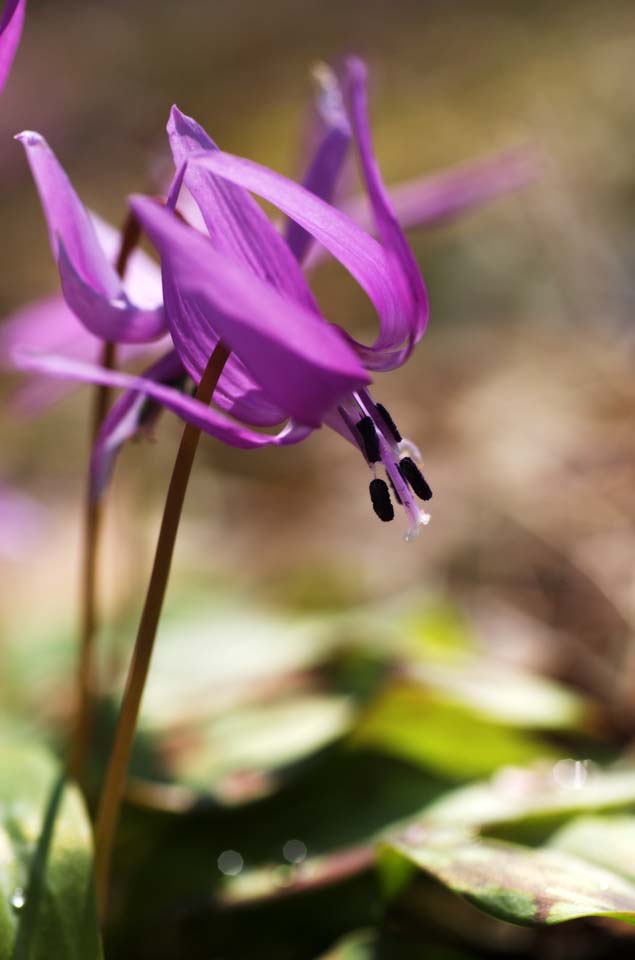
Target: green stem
[{"x": 112, "y": 792}]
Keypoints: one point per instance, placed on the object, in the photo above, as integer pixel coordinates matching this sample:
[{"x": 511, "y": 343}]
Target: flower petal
[
  {"x": 10, "y": 33},
  {"x": 410, "y": 326},
  {"x": 115, "y": 319},
  {"x": 142, "y": 279},
  {"x": 361, "y": 254},
  {"x": 48, "y": 326},
  {"x": 67, "y": 218},
  {"x": 236, "y": 224},
  {"x": 331, "y": 135},
  {"x": 131, "y": 413},
  {"x": 437, "y": 198},
  {"x": 206, "y": 418},
  {"x": 303, "y": 364}
]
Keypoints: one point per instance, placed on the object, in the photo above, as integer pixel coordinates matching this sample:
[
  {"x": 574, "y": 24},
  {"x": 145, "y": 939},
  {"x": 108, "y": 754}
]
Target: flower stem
[
  {"x": 93, "y": 512},
  {"x": 112, "y": 792},
  {"x": 88, "y": 602}
]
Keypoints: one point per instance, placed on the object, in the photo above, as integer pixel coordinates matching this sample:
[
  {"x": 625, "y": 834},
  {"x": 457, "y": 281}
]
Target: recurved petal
[
  {"x": 372, "y": 266},
  {"x": 331, "y": 136},
  {"x": 207, "y": 419},
  {"x": 302, "y": 363},
  {"x": 67, "y": 218},
  {"x": 399, "y": 335},
  {"x": 115, "y": 319},
  {"x": 10, "y": 33},
  {"x": 49, "y": 326},
  {"x": 236, "y": 224},
  {"x": 142, "y": 279}
]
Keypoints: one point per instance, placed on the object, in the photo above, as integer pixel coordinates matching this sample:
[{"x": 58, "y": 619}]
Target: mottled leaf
[
  {"x": 544, "y": 793},
  {"x": 608, "y": 841},
  {"x": 515, "y": 883}
]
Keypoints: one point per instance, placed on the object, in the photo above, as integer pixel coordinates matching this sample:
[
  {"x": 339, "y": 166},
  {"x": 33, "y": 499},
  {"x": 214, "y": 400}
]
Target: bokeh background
[{"x": 521, "y": 394}]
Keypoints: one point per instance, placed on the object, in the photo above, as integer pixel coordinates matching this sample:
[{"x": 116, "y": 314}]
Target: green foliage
[{"x": 47, "y": 905}]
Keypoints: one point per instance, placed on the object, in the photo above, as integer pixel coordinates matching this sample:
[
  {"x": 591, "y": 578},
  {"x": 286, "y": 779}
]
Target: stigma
[{"x": 382, "y": 446}]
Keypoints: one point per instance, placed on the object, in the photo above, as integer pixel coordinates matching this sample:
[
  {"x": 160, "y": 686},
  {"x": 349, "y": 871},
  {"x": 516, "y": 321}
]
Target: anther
[
  {"x": 366, "y": 430},
  {"x": 388, "y": 420},
  {"x": 412, "y": 475},
  {"x": 380, "y": 497}
]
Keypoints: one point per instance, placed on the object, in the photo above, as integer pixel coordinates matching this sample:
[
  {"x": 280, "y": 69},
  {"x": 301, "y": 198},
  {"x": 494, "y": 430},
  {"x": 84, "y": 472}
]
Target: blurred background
[{"x": 521, "y": 397}]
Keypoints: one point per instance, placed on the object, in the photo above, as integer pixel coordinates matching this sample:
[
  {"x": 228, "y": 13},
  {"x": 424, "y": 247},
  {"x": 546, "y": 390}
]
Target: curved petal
[
  {"x": 434, "y": 199},
  {"x": 130, "y": 414},
  {"x": 331, "y": 135},
  {"x": 437, "y": 198},
  {"x": 49, "y": 326},
  {"x": 118, "y": 319},
  {"x": 407, "y": 328},
  {"x": 363, "y": 256},
  {"x": 142, "y": 279},
  {"x": 303, "y": 364},
  {"x": 67, "y": 218},
  {"x": 206, "y": 418},
  {"x": 10, "y": 33},
  {"x": 236, "y": 224}
]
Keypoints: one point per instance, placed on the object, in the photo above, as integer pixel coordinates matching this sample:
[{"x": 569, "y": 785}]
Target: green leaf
[
  {"x": 235, "y": 757},
  {"x": 440, "y": 734},
  {"x": 606, "y": 841},
  {"x": 504, "y": 695},
  {"x": 47, "y": 906},
  {"x": 535, "y": 799},
  {"x": 515, "y": 883}
]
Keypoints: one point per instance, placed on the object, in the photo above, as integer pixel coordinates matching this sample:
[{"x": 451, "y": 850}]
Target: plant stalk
[
  {"x": 112, "y": 792},
  {"x": 93, "y": 514}
]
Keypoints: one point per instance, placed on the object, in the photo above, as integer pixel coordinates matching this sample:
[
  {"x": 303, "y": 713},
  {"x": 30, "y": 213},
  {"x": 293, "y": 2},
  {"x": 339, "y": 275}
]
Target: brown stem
[
  {"x": 130, "y": 237},
  {"x": 112, "y": 792},
  {"x": 88, "y": 602}
]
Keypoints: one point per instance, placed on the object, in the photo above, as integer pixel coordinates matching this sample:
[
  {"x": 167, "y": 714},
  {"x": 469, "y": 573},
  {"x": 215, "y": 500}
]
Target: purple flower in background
[
  {"x": 10, "y": 32},
  {"x": 91, "y": 285},
  {"x": 49, "y": 326},
  {"x": 22, "y": 523}
]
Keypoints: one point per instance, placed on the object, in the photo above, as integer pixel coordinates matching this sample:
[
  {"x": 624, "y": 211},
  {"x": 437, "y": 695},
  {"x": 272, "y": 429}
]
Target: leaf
[
  {"x": 443, "y": 735},
  {"x": 47, "y": 904},
  {"x": 515, "y": 883},
  {"x": 225, "y": 652},
  {"x": 535, "y": 798},
  {"x": 606, "y": 841},
  {"x": 506, "y": 696},
  {"x": 235, "y": 757}
]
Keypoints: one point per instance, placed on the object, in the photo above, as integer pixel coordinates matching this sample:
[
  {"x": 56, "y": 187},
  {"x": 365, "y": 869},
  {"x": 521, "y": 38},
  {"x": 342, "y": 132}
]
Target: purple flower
[
  {"x": 22, "y": 523},
  {"x": 243, "y": 284},
  {"x": 49, "y": 326},
  {"x": 10, "y": 32},
  {"x": 92, "y": 288}
]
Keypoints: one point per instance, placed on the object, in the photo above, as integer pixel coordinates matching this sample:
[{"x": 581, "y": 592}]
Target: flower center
[{"x": 380, "y": 442}]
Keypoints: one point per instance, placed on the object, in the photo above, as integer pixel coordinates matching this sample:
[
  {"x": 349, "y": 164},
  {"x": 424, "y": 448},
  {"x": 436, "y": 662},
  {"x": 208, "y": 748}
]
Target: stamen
[
  {"x": 422, "y": 521},
  {"x": 412, "y": 475},
  {"x": 380, "y": 497},
  {"x": 388, "y": 420},
  {"x": 368, "y": 434},
  {"x": 394, "y": 489}
]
